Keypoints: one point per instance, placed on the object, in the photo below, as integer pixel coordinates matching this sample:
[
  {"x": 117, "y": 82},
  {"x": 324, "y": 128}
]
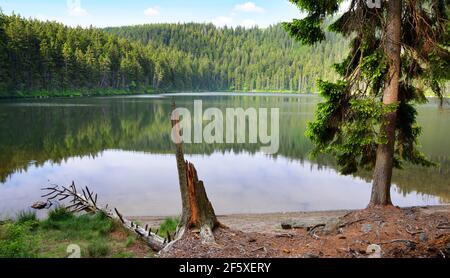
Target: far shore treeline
[{"x": 49, "y": 59}]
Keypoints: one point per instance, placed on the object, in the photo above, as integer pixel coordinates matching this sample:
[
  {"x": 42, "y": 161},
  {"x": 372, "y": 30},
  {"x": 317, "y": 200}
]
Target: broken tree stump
[{"x": 197, "y": 211}]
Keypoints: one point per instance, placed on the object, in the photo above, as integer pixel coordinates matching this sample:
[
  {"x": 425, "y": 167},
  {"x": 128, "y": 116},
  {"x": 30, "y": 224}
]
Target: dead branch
[
  {"x": 352, "y": 222},
  {"x": 407, "y": 241},
  {"x": 88, "y": 202},
  {"x": 443, "y": 226},
  {"x": 409, "y": 231},
  {"x": 259, "y": 249},
  {"x": 284, "y": 235}
]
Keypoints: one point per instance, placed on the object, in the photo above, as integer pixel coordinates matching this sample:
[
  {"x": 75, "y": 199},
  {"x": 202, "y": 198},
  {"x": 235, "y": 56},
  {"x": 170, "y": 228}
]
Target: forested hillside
[
  {"x": 47, "y": 58},
  {"x": 244, "y": 59}
]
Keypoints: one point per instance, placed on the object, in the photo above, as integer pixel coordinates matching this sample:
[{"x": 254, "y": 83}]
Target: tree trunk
[
  {"x": 385, "y": 155},
  {"x": 197, "y": 211}
]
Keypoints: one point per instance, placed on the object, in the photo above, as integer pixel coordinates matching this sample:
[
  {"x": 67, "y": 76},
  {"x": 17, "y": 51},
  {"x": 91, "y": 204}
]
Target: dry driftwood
[{"x": 87, "y": 201}]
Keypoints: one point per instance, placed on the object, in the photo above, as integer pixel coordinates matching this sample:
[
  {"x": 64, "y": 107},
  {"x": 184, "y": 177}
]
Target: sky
[{"x": 104, "y": 13}]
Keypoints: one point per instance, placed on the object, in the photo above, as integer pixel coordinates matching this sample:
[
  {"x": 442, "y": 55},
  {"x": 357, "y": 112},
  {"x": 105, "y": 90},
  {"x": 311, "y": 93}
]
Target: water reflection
[{"x": 121, "y": 148}]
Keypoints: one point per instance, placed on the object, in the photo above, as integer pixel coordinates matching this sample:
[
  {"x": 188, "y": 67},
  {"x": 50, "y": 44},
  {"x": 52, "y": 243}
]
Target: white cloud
[
  {"x": 248, "y": 23},
  {"x": 249, "y": 7},
  {"x": 75, "y": 8},
  {"x": 151, "y": 12},
  {"x": 222, "y": 21}
]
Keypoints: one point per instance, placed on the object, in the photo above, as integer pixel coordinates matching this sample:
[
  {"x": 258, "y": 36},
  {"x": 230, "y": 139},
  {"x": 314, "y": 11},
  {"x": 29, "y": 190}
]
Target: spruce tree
[
  {"x": 4, "y": 64},
  {"x": 399, "y": 50}
]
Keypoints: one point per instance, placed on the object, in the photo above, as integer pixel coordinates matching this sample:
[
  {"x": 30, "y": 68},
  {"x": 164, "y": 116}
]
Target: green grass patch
[
  {"x": 168, "y": 226},
  {"x": 98, "y": 249},
  {"x": 96, "y": 235},
  {"x": 131, "y": 240},
  {"x": 17, "y": 241},
  {"x": 26, "y": 216}
]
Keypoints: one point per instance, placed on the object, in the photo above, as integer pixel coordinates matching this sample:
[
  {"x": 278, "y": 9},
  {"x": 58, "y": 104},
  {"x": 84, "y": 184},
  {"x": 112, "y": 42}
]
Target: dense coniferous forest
[
  {"x": 47, "y": 58},
  {"x": 244, "y": 59}
]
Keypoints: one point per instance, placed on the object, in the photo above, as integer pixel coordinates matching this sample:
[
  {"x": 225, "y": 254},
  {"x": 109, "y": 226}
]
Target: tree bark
[
  {"x": 382, "y": 178},
  {"x": 197, "y": 210}
]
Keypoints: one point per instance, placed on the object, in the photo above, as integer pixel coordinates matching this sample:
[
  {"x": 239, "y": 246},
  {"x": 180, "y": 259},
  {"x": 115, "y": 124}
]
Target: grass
[
  {"x": 77, "y": 93},
  {"x": 168, "y": 226},
  {"x": 16, "y": 241},
  {"x": 26, "y": 216},
  {"x": 98, "y": 249},
  {"x": 96, "y": 235},
  {"x": 131, "y": 240}
]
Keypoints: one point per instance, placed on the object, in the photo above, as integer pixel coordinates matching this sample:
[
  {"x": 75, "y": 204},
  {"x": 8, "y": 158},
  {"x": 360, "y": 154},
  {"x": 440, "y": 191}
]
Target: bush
[
  {"x": 15, "y": 242},
  {"x": 98, "y": 249}
]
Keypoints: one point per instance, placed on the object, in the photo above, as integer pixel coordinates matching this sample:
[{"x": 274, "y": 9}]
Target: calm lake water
[{"x": 121, "y": 148}]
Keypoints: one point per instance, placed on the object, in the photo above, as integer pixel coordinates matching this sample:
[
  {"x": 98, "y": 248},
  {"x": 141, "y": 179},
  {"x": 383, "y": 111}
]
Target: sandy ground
[
  {"x": 372, "y": 233},
  {"x": 271, "y": 223}
]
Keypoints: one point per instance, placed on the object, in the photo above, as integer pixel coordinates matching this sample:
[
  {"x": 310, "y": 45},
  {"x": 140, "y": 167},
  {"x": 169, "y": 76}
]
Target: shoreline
[
  {"x": 270, "y": 223},
  {"x": 124, "y": 93}
]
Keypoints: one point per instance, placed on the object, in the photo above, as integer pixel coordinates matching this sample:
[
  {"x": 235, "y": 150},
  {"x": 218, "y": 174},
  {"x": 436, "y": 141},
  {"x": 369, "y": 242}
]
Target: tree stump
[{"x": 197, "y": 211}]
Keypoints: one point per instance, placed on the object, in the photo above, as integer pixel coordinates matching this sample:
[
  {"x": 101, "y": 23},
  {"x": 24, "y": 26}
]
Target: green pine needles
[{"x": 348, "y": 123}]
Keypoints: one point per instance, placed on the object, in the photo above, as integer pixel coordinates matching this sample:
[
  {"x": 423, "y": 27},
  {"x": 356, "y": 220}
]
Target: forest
[{"x": 49, "y": 59}]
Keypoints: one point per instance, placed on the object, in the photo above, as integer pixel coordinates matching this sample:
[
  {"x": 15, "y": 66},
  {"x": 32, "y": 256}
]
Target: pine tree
[
  {"x": 368, "y": 119},
  {"x": 4, "y": 63}
]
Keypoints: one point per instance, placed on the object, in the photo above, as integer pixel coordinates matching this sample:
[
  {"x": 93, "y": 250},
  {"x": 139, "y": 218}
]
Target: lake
[{"x": 120, "y": 147}]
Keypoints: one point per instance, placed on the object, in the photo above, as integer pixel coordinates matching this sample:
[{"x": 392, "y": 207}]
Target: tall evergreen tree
[
  {"x": 4, "y": 65},
  {"x": 398, "y": 49}
]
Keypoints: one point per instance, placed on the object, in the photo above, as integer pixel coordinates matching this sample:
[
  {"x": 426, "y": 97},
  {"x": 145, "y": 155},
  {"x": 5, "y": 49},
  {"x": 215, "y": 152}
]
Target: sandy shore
[{"x": 271, "y": 223}]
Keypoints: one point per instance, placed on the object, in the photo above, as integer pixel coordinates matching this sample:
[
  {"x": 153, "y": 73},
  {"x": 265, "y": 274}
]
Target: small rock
[
  {"x": 374, "y": 251},
  {"x": 447, "y": 249},
  {"x": 286, "y": 251},
  {"x": 39, "y": 205},
  {"x": 423, "y": 237},
  {"x": 252, "y": 240},
  {"x": 411, "y": 215},
  {"x": 332, "y": 227},
  {"x": 304, "y": 223},
  {"x": 366, "y": 228},
  {"x": 310, "y": 256}
]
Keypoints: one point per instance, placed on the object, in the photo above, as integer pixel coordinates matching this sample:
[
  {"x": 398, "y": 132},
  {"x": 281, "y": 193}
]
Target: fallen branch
[
  {"x": 443, "y": 226},
  {"x": 284, "y": 235},
  {"x": 400, "y": 241},
  {"x": 259, "y": 249},
  {"x": 88, "y": 202},
  {"x": 351, "y": 223},
  {"x": 409, "y": 228},
  {"x": 312, "y": 231}
]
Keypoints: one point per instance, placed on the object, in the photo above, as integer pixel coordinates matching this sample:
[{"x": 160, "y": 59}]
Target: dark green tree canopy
[
  {"x": 348, "y": 121},
  {"x": 39, "y": 57}
]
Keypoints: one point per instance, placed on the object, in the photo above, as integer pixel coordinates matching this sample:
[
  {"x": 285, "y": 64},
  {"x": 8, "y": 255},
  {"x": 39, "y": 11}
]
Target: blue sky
[{"x": 102, "y": 13}]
